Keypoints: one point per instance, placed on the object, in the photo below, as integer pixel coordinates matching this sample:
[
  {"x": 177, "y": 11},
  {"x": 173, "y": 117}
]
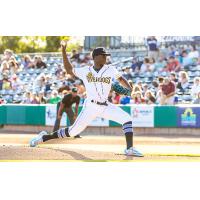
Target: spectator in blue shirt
[
  {"x": 187, "y": 61},
  {"x": 125, "y": 100},
  {"x": 153, "y": 47}
]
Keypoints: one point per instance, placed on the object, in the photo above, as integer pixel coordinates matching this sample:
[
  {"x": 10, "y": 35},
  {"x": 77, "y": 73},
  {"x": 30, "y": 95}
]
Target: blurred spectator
[
  {"x": 146, "y": 66},
  {"x": 135, "y": 66},
  {"x": 35, "y": 59},
  {"x": 114, "y": 98},
  {"x": 48, "y": 95},
  {"x": 173, "y": 65},
  {"x": 108, "y": 60},
  {"x": 137, "y": 87},
  {"x": 48, "y": 83},
  {"x": 187, "y": 61},
  {"x": 171, "y": 51},
  {"x": 152, "y": 62},
  {"x": 2, "y": 101},
  {"x": 64, "y": 88},
  {"x": 173, "y": 77},
  {"x": 34, "y": 98},
  {"x": 14, "y": 68},
  {"x": 127, "y": 73},
  {"x": 160, "y": 64},
  {"x": 80, "y": 86},
  {"x": 27, "y": 98},
  {"x": 194, "y": 54},
  {"x": 4, "y": 67},
  {"x": 145, "y": 88},
  {"x": 85, "y": 58},
  {"x": 149, "y": 97},
  {"x": 12, "y": 58},
  {"x": 153, "y": 47},
  {"x": 39, "y": 63},
  {"x": 27, "y": 62},
  {"x": 183, "y": 83},
  {"x": 195, "y": 87},
  {"x": 178, "y": 57},
  {"x": 58, "y": 70},
  {"x": 125, "y": 100},
  {"x": 137, "y": 98},
  {"x": 64, "y": 92},
  {"x": 155, "y": 86},
  {"x": 158, "y": 94},
  {"x": 168, "y": 92},
  {"x": 160, "y": 79},
  {"x": 54, "y": 98},
  {"x": 197, "y": 99},
  {"x": 41, "y": 97},
  {"x": 75, "y": 56},
  {"x": 7, "y": 55},
  {"x": 39, "y": 83},
  {"x": 6, "y": 83},
  {"x": 17, "y": 84}
]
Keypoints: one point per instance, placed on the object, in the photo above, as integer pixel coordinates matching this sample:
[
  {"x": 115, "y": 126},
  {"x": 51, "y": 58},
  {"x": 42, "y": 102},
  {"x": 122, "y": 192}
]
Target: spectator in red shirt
[
  {"x": 168, "y": 89},
  {"x": 115, "y": 98},
  {"x": 173, "y": 65},
  {"x": 1, "y": 100}
]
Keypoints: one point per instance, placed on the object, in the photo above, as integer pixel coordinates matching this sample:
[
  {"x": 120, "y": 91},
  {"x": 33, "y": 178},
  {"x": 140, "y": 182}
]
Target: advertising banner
[
  {"x": 143, "y": 116},
  {"x": 189, "y": 117},
  {"x": 51, "y": 115}
]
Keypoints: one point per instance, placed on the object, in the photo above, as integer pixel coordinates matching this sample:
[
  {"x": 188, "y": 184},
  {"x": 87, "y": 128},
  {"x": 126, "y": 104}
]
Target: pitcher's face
[{"x": 100, "y": 59}]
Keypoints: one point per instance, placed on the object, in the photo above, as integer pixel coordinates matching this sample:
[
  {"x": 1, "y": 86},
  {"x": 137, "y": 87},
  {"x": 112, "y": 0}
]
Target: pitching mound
[{"x": 98, "y": 148}]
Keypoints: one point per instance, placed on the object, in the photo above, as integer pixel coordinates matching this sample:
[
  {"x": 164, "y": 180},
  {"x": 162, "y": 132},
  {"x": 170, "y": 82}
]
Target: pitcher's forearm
[{"x": 67, "y": 65}]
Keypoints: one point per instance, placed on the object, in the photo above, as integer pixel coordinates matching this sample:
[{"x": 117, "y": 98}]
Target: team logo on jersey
[{"x": 92, "y": 78}]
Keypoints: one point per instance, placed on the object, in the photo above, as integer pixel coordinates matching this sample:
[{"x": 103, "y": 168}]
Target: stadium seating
[{"x": 29, "y": 76}]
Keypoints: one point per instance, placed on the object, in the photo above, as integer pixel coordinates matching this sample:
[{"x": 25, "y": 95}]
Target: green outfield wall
[{"x": 143, "y": 116}]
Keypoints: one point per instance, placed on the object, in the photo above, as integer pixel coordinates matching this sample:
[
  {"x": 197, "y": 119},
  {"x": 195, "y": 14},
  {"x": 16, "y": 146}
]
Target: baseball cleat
[
  {"x": 133, "y": 152},
  {"x": 43, "y": 133},
  {"x": 35, "y": 141}
]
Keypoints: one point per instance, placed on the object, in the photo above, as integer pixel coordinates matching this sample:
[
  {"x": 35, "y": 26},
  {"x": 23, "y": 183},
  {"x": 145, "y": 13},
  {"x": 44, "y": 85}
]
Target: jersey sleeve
[
  {"x": 116, "y": 74},
  {"x": 79, "y": 72}
]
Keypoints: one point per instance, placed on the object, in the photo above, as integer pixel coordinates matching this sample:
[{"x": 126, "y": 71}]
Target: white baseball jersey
[{"x": 97, "y": 84}]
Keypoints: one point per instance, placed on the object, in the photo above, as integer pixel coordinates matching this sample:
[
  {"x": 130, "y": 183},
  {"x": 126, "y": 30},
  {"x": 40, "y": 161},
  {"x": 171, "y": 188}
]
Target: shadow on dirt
[{"x": 75, "y": 155}]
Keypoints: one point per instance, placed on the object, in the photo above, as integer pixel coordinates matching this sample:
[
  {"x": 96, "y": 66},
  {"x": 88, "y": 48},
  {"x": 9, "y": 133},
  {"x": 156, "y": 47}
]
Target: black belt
[{"x": 100, "y": 103}]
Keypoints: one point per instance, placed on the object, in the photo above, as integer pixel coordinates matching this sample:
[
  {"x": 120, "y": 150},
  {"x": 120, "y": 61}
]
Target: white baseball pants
[{"x": 91, "y": 110}]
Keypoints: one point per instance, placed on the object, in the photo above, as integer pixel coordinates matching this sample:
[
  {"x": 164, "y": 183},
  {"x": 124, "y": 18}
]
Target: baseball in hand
[{"x": 63, "y": 43}]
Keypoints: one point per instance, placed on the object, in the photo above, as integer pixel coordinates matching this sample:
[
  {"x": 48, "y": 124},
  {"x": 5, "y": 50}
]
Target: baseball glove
[{"x": 120, "y": 89}]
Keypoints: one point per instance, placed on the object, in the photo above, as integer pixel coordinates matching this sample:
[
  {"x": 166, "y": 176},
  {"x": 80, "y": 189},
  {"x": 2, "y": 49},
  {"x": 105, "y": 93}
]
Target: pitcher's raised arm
[{"x": 67, "y": 64}]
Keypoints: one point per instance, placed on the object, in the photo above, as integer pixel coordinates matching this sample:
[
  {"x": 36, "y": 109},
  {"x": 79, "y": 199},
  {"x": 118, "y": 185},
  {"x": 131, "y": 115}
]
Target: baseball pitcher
[{"x": 98, "y": 80}]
